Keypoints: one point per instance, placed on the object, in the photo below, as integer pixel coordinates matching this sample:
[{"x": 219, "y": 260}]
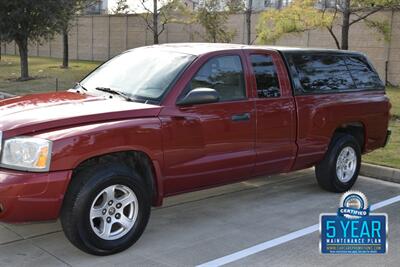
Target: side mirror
[{"x": 199, "y": 96}]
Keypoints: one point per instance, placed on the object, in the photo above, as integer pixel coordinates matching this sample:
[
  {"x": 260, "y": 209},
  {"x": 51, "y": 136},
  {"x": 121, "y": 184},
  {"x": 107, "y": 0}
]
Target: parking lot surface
[{"x": 201, "y": 227}]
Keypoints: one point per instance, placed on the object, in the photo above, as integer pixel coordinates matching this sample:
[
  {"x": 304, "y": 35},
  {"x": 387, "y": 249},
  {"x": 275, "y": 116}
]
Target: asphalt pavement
[{"x": 202, "y": 227}]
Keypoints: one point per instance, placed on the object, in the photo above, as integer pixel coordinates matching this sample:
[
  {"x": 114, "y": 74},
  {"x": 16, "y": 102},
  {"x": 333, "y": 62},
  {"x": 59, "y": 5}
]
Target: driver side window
[{"x": 223, "y": 74}]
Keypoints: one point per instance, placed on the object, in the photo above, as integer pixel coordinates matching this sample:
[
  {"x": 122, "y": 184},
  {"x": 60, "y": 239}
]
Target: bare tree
[
  {"x": 354, "y": 11},
  {"x": 161, "y": 13}
]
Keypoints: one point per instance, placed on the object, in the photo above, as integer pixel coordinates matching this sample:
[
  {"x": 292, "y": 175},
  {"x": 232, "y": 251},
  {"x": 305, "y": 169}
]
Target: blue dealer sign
[{"x": 353, "y": 230}]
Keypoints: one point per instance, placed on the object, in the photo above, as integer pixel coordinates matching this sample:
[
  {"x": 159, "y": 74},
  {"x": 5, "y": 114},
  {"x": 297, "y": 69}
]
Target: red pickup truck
[{"x": 162, "y": 120}]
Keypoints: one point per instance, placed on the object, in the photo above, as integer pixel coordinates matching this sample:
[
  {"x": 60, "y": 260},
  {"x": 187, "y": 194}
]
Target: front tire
[
  {"x": 339, "y": 169},
  {"x": 106, "y": 209}
]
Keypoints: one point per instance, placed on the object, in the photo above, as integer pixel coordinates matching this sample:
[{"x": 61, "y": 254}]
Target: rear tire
[
  {"x": 339, "y": 169},
  {"x": 94, "y": 216}
]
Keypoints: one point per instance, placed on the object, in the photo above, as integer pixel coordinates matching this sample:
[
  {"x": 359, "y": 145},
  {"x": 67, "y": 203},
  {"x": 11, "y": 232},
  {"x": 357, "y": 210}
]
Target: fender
[{"x": 73, "y": 146}]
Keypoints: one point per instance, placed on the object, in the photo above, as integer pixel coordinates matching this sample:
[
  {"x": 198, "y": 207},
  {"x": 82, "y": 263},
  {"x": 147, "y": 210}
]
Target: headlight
[{"x": 26, "y": 153}]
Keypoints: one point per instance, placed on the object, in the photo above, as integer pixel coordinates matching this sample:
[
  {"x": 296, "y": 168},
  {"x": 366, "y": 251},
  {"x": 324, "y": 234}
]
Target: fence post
[
  {"x": 389, "y": 48},
  {"x": 166, "y": 33},
  {"x": 244, "y": 28},
  {"x": 77, "y": 38},
  {"x": 92, "y": 31},
  {"x": 109, "y": 36},
  {"x": 145, "y": 36},
  {"x": 126, "y": 31},
  {"x": 49, "y": 40}
]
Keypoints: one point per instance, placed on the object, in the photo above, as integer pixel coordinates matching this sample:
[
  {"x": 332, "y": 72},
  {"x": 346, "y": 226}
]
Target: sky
[{"x": 133, "y": 4}]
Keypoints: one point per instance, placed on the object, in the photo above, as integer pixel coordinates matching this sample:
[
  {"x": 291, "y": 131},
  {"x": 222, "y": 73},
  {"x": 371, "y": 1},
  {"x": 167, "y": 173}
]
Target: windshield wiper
[{"x": 115, "y": 92}]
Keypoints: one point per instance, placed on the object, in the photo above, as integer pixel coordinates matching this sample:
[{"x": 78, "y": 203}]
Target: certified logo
[
  {"x": 353, "y": 205},
  {"x": 353, "y": 230}
]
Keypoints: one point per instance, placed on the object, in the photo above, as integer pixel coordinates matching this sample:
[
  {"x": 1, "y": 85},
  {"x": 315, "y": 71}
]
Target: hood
[{"x": 39, "y": 112}]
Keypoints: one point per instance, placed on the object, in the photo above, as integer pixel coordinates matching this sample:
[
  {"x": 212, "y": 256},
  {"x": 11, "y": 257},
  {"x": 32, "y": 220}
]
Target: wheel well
[
  {"x": 355, "y": 129},
  {"x": 137, "y": 160}
]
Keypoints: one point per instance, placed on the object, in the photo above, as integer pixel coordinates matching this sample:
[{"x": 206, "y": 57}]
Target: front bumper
[{"x": 28, "y": 196}]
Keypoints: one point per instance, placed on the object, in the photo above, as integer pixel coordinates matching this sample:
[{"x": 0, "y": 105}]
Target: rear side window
[
  {"x": 266, "y": 76},
  {"x": 363, "y": 74},
  {"x": 320, "y": 73},
  {"x": 225, "y": 75}
]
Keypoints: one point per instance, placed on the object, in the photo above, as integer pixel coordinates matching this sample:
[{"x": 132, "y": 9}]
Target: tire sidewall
[
  {"x": 345, "y": 141},
  {"x": 101, "y": 180}
]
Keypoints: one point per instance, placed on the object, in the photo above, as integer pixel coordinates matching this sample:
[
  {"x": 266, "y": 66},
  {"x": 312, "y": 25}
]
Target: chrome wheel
[
  {"x": 114, "y": 212},
  {"x": 346, "y": 164}
]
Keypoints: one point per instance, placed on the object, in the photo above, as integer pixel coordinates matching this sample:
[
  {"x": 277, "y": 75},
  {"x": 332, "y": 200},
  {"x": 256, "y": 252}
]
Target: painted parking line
[{"x": 283, "y": 239}]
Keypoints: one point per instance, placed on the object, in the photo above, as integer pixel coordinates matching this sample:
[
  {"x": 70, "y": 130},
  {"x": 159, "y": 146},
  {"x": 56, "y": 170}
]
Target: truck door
[
  {"x": 275, "y": 110},
  {"x": 209, "y": 144}
]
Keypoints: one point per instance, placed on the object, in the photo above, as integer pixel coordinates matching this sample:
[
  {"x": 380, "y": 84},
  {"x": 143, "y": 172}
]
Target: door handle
[{"x": 241, "y": 117}]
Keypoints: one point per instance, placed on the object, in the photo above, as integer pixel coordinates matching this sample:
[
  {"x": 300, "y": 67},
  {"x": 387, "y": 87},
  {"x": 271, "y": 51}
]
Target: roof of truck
[{"x": 203, "y": 48}]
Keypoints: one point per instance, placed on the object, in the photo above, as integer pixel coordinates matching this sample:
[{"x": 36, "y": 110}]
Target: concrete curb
[
  {"x": 5, "y": 95},
  {"x": 380, "y": 172}
]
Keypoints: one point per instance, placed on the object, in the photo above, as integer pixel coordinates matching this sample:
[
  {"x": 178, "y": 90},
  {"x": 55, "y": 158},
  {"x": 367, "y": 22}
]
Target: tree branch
[
  {"x": 334, "y": 37},
  {"x": 252, "y": 42},
  {"x": 164, "y": 22},
  {"x": 165, "y": 17},
  {"x": 365, "y": 15},
  {"x": 145, "y": 7},
  {"x": 83, "y": 4},
  {"x": 330, "y": 29},
  {"x": 146, "y": 17},
  {"x": 162, "y": 29},
  {"x": 146, "y": 20}
]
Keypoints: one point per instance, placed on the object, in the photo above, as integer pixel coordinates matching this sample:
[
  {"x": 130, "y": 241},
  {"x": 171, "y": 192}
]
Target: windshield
[{"x": 143, "y": 74}]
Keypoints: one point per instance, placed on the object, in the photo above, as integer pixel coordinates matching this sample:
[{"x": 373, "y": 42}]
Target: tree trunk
[
  {"x": 249, "y": 12},
  {"x": 155, "y": 21},
  {"x": 346, "y": 25},
  {"x": 65, "y": 49},
  {"x": 23, "y": 54}
]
